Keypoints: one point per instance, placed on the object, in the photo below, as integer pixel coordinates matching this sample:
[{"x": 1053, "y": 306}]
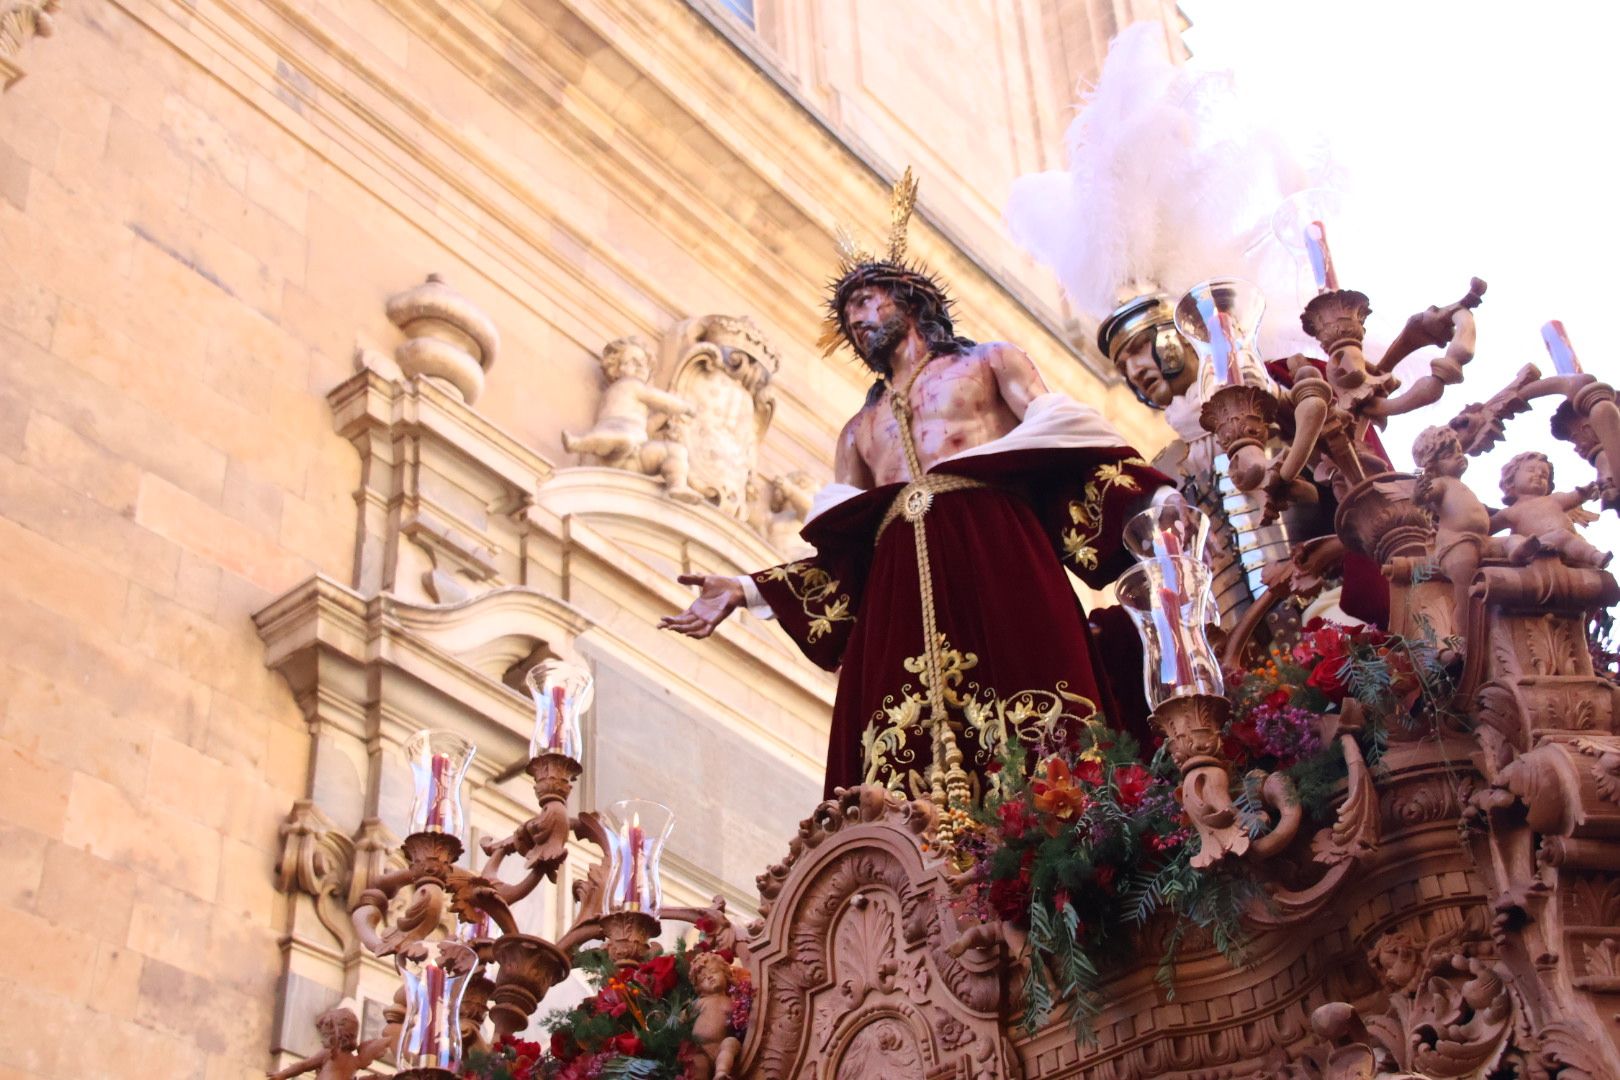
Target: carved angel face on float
[
  {"x": 339, "y": 1029},
  {"x": 710, "y": 974},
  {"x": 1527, "y": 475},
  {"x": 1438, "y": 450}
]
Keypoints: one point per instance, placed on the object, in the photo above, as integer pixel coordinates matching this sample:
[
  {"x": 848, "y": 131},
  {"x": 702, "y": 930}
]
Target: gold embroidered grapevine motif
[
  {"x": 1087, "y": 513},
  {"x": 813, "y": 587},
  {"x": 1028, "y": 717}
]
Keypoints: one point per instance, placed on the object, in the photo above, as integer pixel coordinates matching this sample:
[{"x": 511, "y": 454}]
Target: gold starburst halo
[{"x": 860, "y": 266}]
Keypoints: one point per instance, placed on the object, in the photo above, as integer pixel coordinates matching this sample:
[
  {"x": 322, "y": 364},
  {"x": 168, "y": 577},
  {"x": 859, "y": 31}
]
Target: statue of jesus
[{"x": 961, "y": 490}]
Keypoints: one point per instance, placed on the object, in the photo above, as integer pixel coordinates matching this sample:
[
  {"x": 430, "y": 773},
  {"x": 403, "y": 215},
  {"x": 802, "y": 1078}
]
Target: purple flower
[{"x": 1288, "y": 734}]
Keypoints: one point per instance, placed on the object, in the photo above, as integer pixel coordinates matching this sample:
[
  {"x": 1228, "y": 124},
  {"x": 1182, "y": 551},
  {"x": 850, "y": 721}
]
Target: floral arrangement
[
  {"x": 638, "y": 1024},
  {"x": 1080, "y": 850},
  {"x": 1081, "y": 843}
]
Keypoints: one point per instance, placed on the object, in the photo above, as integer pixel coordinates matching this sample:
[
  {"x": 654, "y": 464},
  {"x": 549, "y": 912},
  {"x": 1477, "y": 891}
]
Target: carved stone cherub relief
[
  {"x": 1544, "y": 519},
  {"x": 779, "y": 506},
  {"x": 622, "y": 437},
  {"x": 342, "y": 1054}
]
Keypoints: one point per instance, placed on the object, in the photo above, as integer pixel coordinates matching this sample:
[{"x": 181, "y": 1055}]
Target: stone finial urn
[{"x": 447, "y": 338}]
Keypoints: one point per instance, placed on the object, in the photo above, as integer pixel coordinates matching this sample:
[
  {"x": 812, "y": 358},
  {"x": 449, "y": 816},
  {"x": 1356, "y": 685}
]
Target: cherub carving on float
[
  {"x": 1462, "y": 522},
  {"x": 711, "y": 1019},
  {"x": 622, "y": 437},
  {"x": 342, "y": 1054},
  {"x": 1544, "y": 519}
]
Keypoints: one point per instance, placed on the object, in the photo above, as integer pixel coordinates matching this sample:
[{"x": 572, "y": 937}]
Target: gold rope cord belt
[
  {"x": 948, "y": 783},
  {"x": 915, "y": 499}
]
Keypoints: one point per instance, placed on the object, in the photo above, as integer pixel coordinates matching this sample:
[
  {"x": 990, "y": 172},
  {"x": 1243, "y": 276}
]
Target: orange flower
[{"x": 1058, "y": 795}]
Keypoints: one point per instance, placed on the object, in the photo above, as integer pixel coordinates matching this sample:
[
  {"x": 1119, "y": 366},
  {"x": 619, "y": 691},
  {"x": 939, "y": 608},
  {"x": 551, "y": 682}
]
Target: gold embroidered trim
[
  {"x": 917, "y": 498},
  {"x": 1024, "y": 716},
  {"x": 813, "y": 587},
  {"x": 1079, "y": 543}
]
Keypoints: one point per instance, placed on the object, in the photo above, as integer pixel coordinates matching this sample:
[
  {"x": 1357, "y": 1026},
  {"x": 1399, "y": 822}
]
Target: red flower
[
  {"x": 1015, "y": 820},
  {"x": 1278, "y": 699},
  {"x": 1010, "y": 899},
  {"x": 658, "y": 975},
  {"x": 610, "y": 1002},
  {"x": 1328, "y": 677},
  {"x": 1242, "y": 741},
  {"x": 627, "y": 1043},
  {"x": 563, "y": 1046},
  {"x": 1105, "y": 878},
  {"x": 1132, "y": 782},
  {"x": 1089, "y": 773}
]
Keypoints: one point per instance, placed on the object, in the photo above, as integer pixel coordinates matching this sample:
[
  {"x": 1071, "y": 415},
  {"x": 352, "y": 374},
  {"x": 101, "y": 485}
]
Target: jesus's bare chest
[{"x": 955, "y": 405}]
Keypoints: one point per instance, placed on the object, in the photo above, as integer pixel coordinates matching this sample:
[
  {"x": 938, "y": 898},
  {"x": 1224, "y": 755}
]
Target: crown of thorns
[{"x": 860, "y": 267}]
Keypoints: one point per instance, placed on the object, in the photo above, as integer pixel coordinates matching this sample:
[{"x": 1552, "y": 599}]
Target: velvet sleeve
[
  {"x": 1086, "y": 510},
  {"x": 815, "y": 601}
]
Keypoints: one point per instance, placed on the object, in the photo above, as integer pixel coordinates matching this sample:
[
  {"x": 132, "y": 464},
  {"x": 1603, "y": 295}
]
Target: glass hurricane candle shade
[
  {"x": 1174, "y": 527},
  {"x": 438, "y": 761},
  {"x": 562, "y": 691},
  {"x": 430, "y": 1037},
  {"x": 1220, "y": 318},
  {"x": 1170, "y": 601},
  {"x": 638, "y": 831},
  {"x": 1300, "y": 224}
]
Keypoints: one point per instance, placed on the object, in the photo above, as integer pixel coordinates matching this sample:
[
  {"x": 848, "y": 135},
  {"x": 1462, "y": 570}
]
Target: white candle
[{"x": 1562, "y": 352}]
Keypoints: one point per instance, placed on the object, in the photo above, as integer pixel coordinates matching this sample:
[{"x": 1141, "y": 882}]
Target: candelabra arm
[
  {"x": 391, "y": 882},
  {"x": 1311, "y": 402},
  {"x": 1277, "y": 792},
  {"x": 367, "y": 917},
  {"x": 712, "y": 921},
  {"x": 1604, "y": 415},
  {"x": 1434, "y": 326},
  {"x": 1447, "y": 370},
  {"x": 513, "y": 892},
  {"x": 1311, "y": 397},
  {"x": 586, "y": 929},
  {"x": 1570, "y": 386},
  {"x": 588, "y": 827}
]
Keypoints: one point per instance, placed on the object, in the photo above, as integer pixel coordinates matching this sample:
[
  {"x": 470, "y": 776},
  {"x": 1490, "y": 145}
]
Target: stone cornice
[{"x": 368, "y": 402}]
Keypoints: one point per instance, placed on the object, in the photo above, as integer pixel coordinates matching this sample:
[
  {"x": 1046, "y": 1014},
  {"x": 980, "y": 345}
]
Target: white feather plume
[{"x": 1172, "y": 178}]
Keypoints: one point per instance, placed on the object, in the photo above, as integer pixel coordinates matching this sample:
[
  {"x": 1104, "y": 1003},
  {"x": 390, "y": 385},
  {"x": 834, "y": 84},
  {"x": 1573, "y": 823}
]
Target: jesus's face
[{"x": 877, "y": 325}]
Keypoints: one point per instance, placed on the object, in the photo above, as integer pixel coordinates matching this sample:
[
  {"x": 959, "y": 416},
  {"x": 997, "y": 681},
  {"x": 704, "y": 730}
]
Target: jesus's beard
[{"x": 880, "y": 344}]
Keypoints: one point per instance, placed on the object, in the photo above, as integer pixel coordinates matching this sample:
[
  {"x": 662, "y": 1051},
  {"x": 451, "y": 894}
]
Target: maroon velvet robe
[{"x": 1019, "y": 659}]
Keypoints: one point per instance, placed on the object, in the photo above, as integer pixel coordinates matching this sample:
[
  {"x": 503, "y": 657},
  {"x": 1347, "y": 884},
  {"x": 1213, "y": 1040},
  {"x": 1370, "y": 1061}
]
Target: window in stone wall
[{"x": 742, "y": 9}]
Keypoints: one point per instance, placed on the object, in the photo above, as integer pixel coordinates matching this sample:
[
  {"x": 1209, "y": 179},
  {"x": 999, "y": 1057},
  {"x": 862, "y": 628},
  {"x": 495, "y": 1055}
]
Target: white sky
[{"x": 1469, "y": 138}]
